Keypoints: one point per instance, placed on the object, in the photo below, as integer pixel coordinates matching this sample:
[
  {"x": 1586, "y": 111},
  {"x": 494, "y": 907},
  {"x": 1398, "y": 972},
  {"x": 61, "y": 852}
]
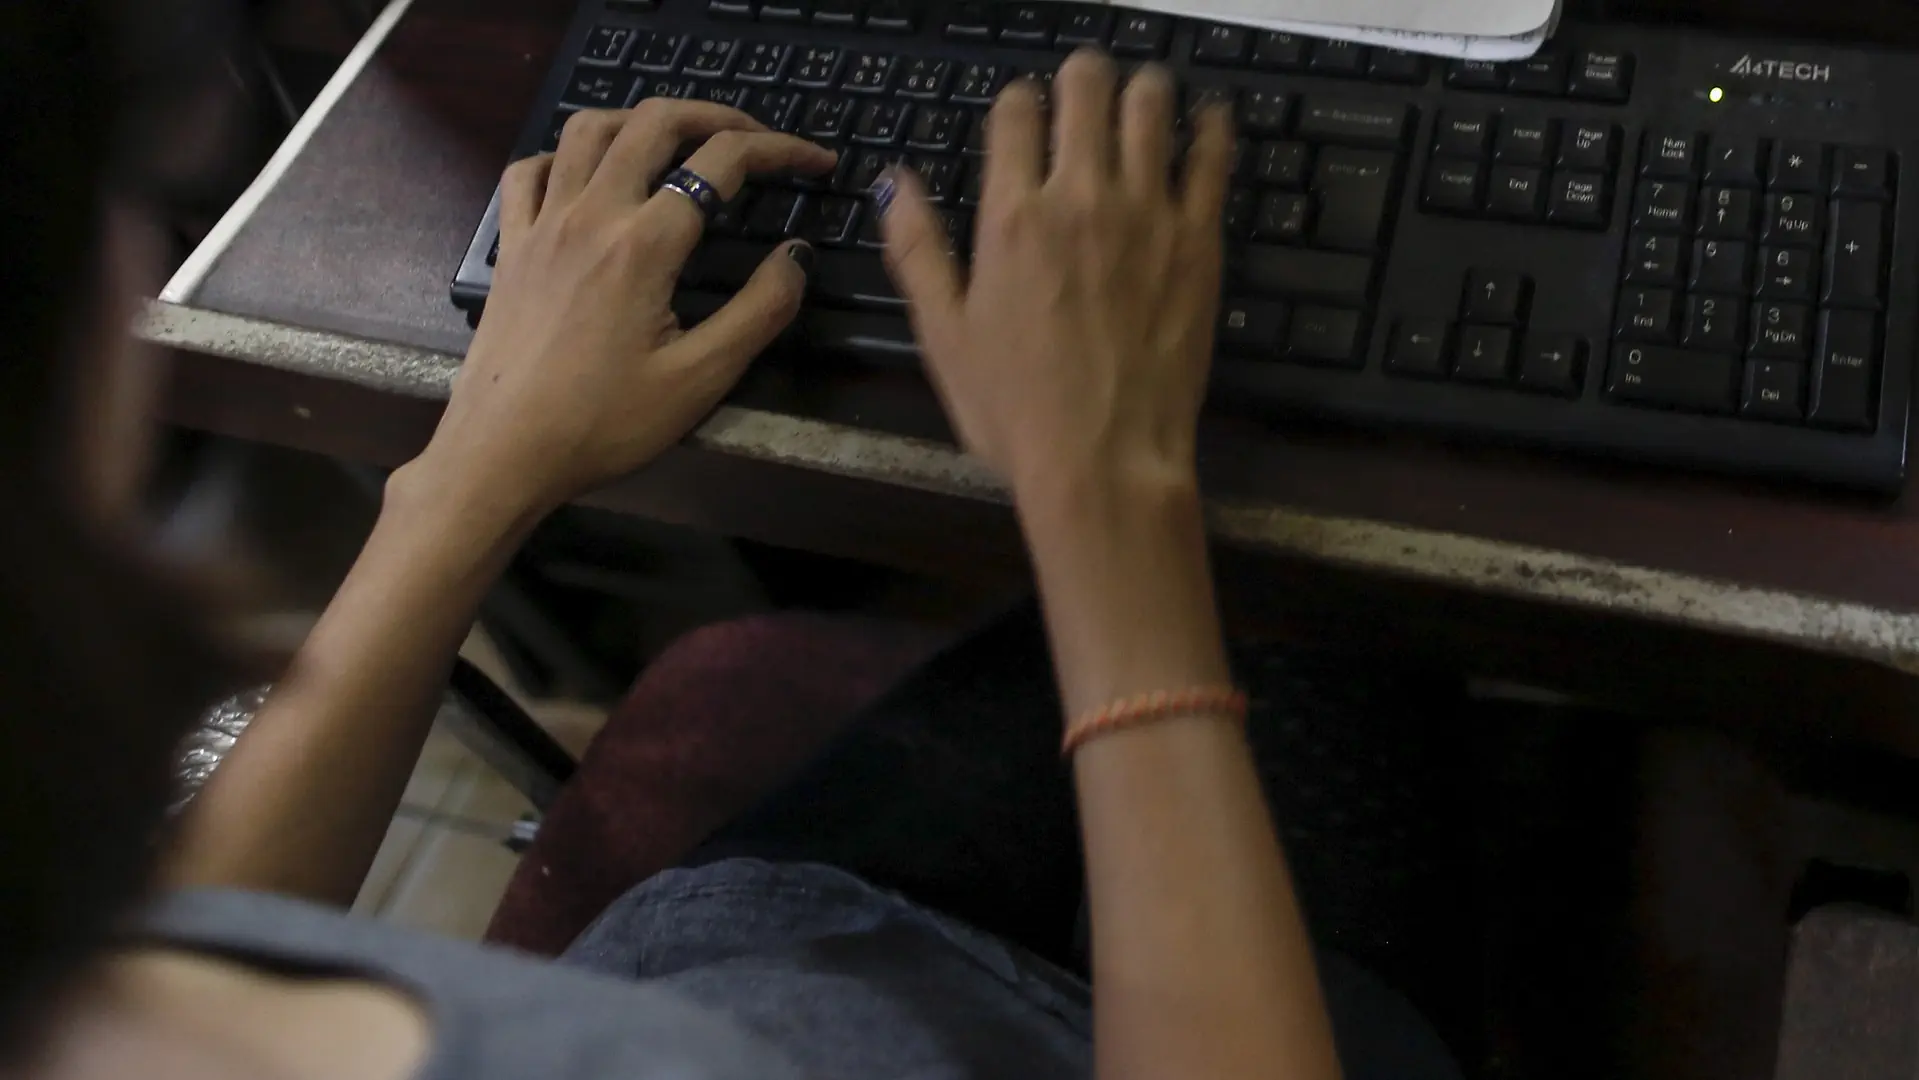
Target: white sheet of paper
[{"x": 1444, "y": 20}]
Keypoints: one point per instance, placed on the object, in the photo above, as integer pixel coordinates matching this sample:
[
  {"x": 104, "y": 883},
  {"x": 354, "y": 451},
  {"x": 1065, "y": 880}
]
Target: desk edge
[{"x": 1838, "y": 627}]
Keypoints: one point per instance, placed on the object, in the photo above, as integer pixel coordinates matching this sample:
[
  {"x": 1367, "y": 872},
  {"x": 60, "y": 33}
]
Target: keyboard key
[
  {"x": 1669, "y": 154},
  {"x": 1797, "y": 166},
  {"x": 1785, "y": 273},
  {"x": 677, "y": 89},
  {"x": 1342, "y": 58},
  {"x": 880, "y": 123},
  {"x": 1452, "y": 187},
  {"x": 731, "y": 95},
  {"x": 1845, "y": 370},
  {"x": 892, "y": 16},
  {"x": 975, "y": 143},
  {"x": 827, "y": 117},
  {"x": 1578, "y": 200},
  {"x": 971, "y": 176},
  {"x": 1587, "y": 146},
  {"x": 1859, "y": 172},
  {"x": 1714, "y": 323},
  {"x": 1725, "y": 213},
  {"x": 1418, "y": 347},
  {"x": 1792, "y": 219},
  {"x": 1282, "y": 217},
  {"x": 1854, "y": 256},
  {"x": 1645, "y": 315},
  {"x": 1516, "y": 192},
  {"x": 1236, "y": 219},
  {"x": 1462, "y": 134},
  {"x": 772, "y": 215},
  {"x": 711, "y": 57},
  {"x": 1732, "y": 160},
  {"x": 777, "y": 109},
  {"x": 606, "y": 46},
  {"x": 1600, "y": 76},
  {"x": 1299, "y": 273},
  {"x": 732, "y": 10},
  {"x": 1485, "y": 355},
  {"x": 596, "y": 88},
  {"x": 854, "y": 279},
  {"x": 859, "y": 168},
  {"x": 1476, "y": 75},
  {"x": 1359, "y": 123},
  {"x": 1222, "y": 45},
  {"x": 762, "y": 62},
  {"x": 816, "y": 66},
  {"x": 1774, "y": 390},
  {"x": 1281, "y": 165},
  {"x": 1274, "y": 51},
  {"x": 1397, "y": 66},
  {"x": 1672, "y": 378},
  {"x": 1522, "y": 141},
  {"x": 941, "y": 176},
  {"x": 1142, "y": 35},
  {"x": 936, "y": 127},
  {"x": 1251, "y": 327},
  {"x": 1720, "y": 266},
  {"x": 1495, "y": 296},
  {"x": 786, "y": 12},
  {"x": 924, "y": 79},
  {"x": 1263, "y": 112},
  {"x": 1662, "y": 205},
  {"x": 1322, "y": 335},
  {"x": 1081, "y": 26},
  {"x": 1355, "y": 189},
  {"x": 979, "y": 83},
  {"x": 657, "y": 52},
  {"x": 828, "y": 220},
  {"x": 1552, "y": 364},
  {"x": 868, "y": 73},
  {"x": 1029, "y": 25},
  {"x": 1780, "y": 331},
  {"x": 840, "y": 13},
  {"x": 970, "y": 20},
  {"x": 1653, "y": 259},
  {"x": 1542, "y": 73}
]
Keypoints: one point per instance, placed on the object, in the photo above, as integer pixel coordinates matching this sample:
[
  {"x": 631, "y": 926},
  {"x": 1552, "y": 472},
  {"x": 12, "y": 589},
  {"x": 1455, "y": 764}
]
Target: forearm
[
  {"x": 303, "y": 801},
  {"x": 1201, "y": 962}
]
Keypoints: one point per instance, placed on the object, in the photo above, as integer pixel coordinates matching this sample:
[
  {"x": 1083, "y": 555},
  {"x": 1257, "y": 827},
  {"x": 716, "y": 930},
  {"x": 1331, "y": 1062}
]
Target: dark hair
[{"x": 104, "y": 662}]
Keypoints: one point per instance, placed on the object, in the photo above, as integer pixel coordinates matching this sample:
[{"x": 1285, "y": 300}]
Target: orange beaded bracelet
[{"x": 1162, "y": 705}]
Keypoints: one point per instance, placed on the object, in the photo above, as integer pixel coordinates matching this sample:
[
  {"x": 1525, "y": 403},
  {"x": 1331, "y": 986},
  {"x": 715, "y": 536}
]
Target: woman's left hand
[{"x": 580, "y": 373}]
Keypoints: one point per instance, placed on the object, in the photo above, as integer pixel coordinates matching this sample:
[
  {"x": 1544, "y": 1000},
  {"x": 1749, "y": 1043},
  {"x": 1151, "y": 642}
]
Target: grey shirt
[{"x": 735, "y": 969}]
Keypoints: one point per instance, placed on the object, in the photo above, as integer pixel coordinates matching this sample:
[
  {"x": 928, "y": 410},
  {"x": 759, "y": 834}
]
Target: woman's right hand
[{"x": 1078, "y": 352}]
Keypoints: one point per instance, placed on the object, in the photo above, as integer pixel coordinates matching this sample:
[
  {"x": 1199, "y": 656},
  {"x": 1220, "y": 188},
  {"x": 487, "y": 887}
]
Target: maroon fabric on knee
[{"x": 711, "y": 727}]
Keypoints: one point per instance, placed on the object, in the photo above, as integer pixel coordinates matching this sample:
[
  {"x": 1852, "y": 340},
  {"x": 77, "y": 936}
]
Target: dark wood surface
[{"x": 363, "y": 233}]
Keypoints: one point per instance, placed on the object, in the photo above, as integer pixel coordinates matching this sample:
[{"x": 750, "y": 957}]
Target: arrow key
[
  {"x": 1785, "y": 273},
  {"x": 1418, "y": 348},
  {"x": 1485, "y": 354},
  {"x": 1552, "y": 364},
  {"x": 1496, "y": 296}
]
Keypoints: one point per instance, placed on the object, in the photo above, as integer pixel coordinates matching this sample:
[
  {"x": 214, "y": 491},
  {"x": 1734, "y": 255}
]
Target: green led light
[{"x": 1715, "y": 94}]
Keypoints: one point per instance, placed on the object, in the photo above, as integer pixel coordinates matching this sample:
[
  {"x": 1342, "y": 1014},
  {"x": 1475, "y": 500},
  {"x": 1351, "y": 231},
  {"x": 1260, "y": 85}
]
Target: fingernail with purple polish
[
  {"x": 882, "y": 192},
  {"x": 803, "y": 254}
]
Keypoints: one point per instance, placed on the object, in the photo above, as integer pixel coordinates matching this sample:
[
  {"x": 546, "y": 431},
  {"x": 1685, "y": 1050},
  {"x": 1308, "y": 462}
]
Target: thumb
[
  {"x": 917, "y": 258},
  {"x": 731, "y": 337}
]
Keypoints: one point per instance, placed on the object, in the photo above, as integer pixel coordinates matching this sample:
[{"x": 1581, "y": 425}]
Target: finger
[
  {"x": 725, "y": 161},
  {"x": 1015, "y": 142},
  {"x": 1083, "y": 116},
  {"x": 917, "y": 258},
  {"x": 583, "y": 143},
  {"x": 521, "y": 190},
  {"x": 1146, "y": 131},
  {"x": 1209, "y": 167},
  {"x": 653, "y": 136},
  {"x": 729, "y": 339}
]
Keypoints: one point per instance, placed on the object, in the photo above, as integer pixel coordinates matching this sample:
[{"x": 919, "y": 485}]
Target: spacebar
[{"x": 1300, "y": 274}]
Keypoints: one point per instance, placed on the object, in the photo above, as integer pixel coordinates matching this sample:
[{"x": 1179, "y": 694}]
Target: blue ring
[{"x": 705, "y": 196}]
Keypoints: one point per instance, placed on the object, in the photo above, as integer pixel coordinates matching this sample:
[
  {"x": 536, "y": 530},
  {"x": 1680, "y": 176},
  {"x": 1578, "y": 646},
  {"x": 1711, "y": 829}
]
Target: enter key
[{"x": 1845, "y": 370}]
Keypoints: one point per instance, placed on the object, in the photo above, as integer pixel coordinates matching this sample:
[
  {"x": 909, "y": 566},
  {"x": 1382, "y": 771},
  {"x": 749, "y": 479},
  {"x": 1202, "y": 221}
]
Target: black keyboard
[{"x": 1643, "y": 242}]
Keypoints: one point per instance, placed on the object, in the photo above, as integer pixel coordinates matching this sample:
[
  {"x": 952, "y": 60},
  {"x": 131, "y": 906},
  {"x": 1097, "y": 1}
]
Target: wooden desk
[{"x": 324, "y": 324}]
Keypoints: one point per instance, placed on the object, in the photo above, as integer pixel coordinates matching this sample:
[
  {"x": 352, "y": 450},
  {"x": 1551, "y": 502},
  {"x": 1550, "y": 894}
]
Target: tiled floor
[{"x": 444, "y": 863}]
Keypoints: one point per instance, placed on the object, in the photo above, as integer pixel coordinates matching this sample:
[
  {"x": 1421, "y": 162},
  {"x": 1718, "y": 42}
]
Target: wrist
[{"x": 483, "y": 519}]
